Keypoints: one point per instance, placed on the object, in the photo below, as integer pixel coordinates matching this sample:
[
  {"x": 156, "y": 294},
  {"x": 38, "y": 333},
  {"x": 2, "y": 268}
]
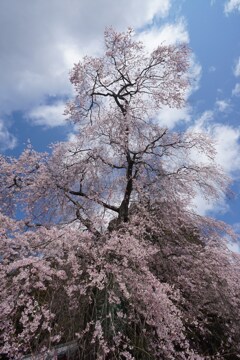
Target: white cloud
[
  {"x": 205, "y": 118},
  {"x": 227, "y": 145},
  {"x": 231, "y": 5},
  {"x": 7, "y": 140},
  {"x": 236, "y": 70},
  {"x": 212, "y": 69},
  {"x": 223, "y": 105},
  {"x": 168, "y": 34},
  {"x": 226, "y": 139},
  {"x": 204, "y": 207},
  {"x": 170, "y": 117},
  {"x": 195, "y": 73},
  {"x": 236, "y": 90},
  {"x": 48, "y": 115},
  {"x": 41, "y": 40}
]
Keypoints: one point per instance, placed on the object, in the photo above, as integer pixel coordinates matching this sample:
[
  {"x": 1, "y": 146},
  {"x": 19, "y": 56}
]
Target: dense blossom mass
[{"x": 109, "y": 257}]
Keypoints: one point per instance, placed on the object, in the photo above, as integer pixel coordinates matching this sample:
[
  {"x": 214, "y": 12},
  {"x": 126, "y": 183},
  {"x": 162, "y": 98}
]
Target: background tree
[{"x": 110, "y": 254}]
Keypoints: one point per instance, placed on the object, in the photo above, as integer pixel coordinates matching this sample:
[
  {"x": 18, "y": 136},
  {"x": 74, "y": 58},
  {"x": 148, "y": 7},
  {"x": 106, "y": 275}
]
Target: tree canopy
[{"x": 109, "y": 253}]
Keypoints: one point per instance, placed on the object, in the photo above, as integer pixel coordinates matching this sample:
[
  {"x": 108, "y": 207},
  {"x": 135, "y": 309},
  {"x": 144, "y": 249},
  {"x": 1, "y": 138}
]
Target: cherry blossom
[{"x": 109, "y": 257}]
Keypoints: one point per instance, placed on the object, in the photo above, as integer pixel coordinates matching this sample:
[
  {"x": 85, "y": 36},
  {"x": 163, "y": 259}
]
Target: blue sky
[{"x": 40, "y": 40}]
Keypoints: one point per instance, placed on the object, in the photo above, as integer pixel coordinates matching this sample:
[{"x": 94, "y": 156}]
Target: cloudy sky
[{"x": 41, "y": 39}]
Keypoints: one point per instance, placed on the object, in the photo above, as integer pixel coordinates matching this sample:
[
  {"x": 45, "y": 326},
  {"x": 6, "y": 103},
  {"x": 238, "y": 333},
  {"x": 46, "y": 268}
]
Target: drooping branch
[
  {"x": 94, "y": 199},
  {"x": 85, "y": 221}
]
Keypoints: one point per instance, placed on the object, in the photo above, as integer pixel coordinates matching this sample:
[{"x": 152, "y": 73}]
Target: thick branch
[{"x": 98, "y": 201}]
